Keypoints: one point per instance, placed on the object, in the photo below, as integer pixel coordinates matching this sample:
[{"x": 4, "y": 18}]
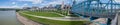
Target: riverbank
[{"x": 26, "y": 21}]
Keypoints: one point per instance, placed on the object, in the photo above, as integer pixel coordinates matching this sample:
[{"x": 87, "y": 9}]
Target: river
[{"x": 8, "y": 18}]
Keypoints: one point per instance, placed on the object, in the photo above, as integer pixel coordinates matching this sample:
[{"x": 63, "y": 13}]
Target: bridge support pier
[
  {"x": 93, "y": 18},
  {"x": 108, "y": 21}
]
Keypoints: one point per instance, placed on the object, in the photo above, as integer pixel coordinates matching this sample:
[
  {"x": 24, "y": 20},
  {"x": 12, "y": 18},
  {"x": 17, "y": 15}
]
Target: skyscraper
[{"x": 62, "y": 7}]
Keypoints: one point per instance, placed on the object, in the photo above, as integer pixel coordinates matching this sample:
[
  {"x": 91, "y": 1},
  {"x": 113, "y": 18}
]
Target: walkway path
[
  {"x": 59, "y": 18},
  {"x": 26, "y": 21},
  {"x": 58, "y": 13}
]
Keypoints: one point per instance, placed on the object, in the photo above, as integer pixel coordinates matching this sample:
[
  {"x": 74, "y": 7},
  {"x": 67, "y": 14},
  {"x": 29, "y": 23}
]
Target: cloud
[
  {"x": 9, "y": 7},
  {"x": 15, "y": 6},
  {"x": 117, "y": 0},
  {"x": 5, "y": 7},
  {"x": 13, "y": 2},
  {"x": 58, "y": 2},
  {"x": 45, "y": 2},
  {"x": 37, "y": 1},
  {"x": 51, "y": 2},
  {"x": 79, "y": 0},
  {"x": 24, "y": 0},
  {"x": 25, "y": 5},
  {"x": 55, "y": 3},
  {"x": 33, "y": 1}
]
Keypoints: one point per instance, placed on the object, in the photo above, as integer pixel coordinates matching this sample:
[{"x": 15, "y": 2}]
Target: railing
[{"x": 98, "y": 9}]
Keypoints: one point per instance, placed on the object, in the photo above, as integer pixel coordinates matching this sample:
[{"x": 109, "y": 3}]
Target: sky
[
  {"x": 22, "y": 3},
  {"x": 40, "y": 3}
]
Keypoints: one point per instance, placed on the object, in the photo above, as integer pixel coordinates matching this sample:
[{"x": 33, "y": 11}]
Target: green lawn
[
  {"x": 46, "y": 14},
  {"x": 63, "y": 12},
  {"x": 53, "y": 22}
]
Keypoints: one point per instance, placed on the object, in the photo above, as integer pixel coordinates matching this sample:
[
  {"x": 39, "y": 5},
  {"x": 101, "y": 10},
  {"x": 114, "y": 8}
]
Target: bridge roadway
[
  {"x": 118, "y": 20},
  {"x": 102, "y": 15},
  {"x": 99, "y": 12}
]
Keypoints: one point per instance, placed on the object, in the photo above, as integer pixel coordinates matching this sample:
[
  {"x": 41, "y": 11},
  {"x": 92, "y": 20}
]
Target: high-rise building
[{"x": 62, "y": 6}]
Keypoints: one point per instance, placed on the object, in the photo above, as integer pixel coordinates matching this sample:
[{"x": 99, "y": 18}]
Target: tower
[{"x": 62, "y": 5}]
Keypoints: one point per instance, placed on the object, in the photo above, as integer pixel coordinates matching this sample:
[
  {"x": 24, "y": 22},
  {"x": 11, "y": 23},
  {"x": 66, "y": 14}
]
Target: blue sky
[
  {"x": 21, "y": 3},
  {"x": 40, "y": 3}
]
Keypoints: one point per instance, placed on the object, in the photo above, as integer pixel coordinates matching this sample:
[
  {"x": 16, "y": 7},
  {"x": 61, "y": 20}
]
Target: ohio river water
[{"x": 8, "y": 18}]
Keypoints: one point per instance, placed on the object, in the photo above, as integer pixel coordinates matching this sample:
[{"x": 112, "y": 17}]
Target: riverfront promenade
[{"x": 26, "y": 21}]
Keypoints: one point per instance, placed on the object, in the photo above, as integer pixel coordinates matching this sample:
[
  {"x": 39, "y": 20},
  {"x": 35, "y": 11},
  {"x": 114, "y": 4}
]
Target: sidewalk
[{"x": 26, "y": 21}]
